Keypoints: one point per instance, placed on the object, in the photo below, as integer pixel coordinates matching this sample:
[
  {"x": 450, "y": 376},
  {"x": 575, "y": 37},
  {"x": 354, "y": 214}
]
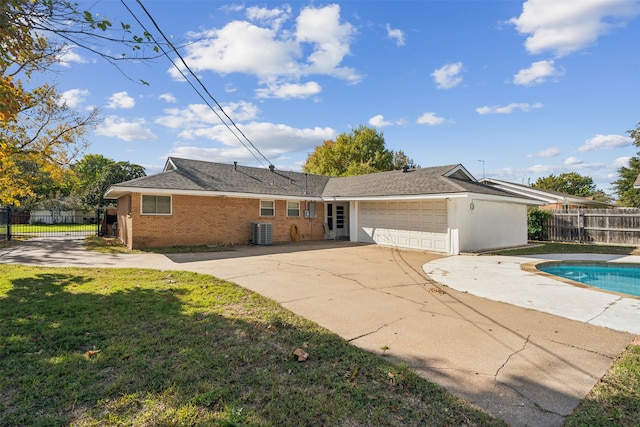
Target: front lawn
[{"x": 139, "y": 347}]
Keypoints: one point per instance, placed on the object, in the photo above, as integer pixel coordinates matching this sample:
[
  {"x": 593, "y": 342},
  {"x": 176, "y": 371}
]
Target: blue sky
[{"x": 512, "y": 90}]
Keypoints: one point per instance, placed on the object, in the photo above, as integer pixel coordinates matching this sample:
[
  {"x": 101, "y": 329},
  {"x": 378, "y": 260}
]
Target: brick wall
[{"x": 200, "y": 220}]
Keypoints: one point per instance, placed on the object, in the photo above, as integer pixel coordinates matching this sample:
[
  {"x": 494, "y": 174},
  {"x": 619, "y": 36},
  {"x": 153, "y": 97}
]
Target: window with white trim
[
  {"x": 156, "y": 205},
  {"x": 267, "y": 208},
  {"x": 293, "y": 209}
]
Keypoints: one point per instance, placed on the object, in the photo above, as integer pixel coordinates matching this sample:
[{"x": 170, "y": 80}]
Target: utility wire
[{"x": 194, "y": 76}]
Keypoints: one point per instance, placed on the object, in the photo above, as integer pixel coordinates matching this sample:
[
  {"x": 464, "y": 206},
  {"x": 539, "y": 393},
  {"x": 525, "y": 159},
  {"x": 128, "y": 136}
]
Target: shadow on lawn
[{"x": 76, "y": 352}]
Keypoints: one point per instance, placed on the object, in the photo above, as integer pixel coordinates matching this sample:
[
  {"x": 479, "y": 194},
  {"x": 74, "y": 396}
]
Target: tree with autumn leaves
[
  {"x": 358, "y": 152},
  {"x": 40, "y": 136}
]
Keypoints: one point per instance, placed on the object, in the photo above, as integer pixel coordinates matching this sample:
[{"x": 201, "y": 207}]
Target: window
[
  {"x": 156, "y": 205},
  {"x": 267, "y": 208},
  {"x": 293, "y": 209}
]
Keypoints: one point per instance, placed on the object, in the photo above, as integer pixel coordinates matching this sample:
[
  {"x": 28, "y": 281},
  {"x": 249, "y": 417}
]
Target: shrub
[{"x": 536, "y": 219}]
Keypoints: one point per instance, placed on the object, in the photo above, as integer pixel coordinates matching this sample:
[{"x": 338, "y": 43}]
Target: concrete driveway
[{"x": 522, "y": 365}]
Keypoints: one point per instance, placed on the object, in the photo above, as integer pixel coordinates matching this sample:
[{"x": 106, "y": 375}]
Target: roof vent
[
  {"x": 405, "y": 168},
  {"x": 272, "y": 168},
  {"x": 235, "y": 166}
]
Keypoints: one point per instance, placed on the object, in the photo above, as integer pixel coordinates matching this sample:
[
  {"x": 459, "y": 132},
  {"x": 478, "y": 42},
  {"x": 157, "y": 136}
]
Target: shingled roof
[
  {"x": 183, "y": 175},
  {"x": 422, "y": 181},
  {"x": 195, "y": 176}
]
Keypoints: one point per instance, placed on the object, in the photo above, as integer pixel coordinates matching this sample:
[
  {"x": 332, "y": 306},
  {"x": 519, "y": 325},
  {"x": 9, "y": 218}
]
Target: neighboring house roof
[
  {"x": 636, "y": 184},
  {"x": 545, "y": 196},
  {"x": 182, "y": 176}
]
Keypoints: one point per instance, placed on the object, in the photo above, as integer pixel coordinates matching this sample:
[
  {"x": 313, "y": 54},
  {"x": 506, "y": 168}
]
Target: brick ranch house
[{"x": 442, "y": 209}]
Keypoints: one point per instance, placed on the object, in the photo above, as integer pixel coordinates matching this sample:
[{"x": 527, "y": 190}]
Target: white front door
[{"x": 338, "y": 219}]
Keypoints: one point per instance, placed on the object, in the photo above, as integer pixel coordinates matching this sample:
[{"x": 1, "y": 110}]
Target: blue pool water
[{"x": 623, "y": 278}]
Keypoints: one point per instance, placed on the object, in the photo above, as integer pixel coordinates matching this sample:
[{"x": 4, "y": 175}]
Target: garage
[{"x": 408, "y": 224}]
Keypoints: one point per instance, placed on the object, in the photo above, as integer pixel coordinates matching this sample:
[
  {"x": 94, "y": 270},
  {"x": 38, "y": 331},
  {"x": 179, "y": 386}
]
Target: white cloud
[
  {"x": 271, "y": 17},
  {"x": 621, "y": 162},
  {"x": 537, "y": 73},
  {"x": 448, "y": 76},
  {"x": 605, "y": 142},
  {"x": 316, "y": 43},
  {"x": 289, "y": 90},
  {"x": 330, "y": 40},
  {"x": 508, "y": 109},
  {"x": 200, "y": 115},
  {"x": 69, "y": 56},
  {"x": 168, "y": 97},
  {"x": 379, "y": 121},
  {"x": 430, "y": 119},
  {"x": 121, "y": 100},
  {"x": 566, "y": 26},
  {"x": 395, "y": 34},
  {"x": 273, "y": 139},
  {"x": 74, "y": 97},
  {"x": 548, "y": 152},
  {"x": 117, "y": 127},
  {"x": 573, "y": 161}
]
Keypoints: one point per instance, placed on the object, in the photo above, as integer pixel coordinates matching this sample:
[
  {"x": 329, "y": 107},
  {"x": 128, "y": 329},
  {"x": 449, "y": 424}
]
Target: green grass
[
  {"x": 615, "y": 400},
  {"x": 109, "y": 245},
  {"x": 48, "y": 228},
  {"x": 126, "y": 347},
  {"x": 112, "y": 245},
  {"x": 560, "y": 248}
]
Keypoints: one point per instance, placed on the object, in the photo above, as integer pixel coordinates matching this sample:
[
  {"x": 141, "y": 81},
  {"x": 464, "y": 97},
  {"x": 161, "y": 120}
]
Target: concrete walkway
[{"x": 523, "y": 365}]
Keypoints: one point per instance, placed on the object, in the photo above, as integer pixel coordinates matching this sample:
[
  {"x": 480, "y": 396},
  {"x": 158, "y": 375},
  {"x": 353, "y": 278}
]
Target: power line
[{"x": 194, "y": 76}]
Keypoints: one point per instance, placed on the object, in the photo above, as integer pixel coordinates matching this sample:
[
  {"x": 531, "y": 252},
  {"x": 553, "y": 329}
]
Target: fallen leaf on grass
[
  {"x": 354, "y": 374},
  {"x": 300, "y": 354},
  {"x": 92, "y": 353}
]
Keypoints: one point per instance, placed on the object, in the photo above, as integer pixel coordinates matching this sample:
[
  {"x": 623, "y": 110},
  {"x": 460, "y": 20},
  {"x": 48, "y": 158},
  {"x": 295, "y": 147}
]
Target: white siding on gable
[{"x": 420, "y": 224}]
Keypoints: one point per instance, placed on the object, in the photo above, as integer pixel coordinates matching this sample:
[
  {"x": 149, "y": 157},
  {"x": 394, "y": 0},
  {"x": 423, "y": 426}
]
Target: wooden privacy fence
[{"x": 620, "y": 226}]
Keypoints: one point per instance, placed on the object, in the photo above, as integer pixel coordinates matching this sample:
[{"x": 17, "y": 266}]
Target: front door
[{"x": 338, "y": 219}]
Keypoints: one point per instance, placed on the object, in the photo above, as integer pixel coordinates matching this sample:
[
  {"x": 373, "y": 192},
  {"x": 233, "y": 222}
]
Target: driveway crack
[
  {"x": 611, "y": 304},
  {"x": 366, "y": 334},
  {"x": 524, "y": 346}
]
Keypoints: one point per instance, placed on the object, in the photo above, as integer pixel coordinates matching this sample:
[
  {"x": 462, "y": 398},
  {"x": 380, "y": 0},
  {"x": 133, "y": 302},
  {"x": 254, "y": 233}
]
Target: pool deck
[{"x": 512, "y": 284}]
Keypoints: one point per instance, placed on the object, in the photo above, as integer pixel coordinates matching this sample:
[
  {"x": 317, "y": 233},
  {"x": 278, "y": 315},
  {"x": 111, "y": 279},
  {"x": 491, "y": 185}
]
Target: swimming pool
[{"x": 623, "y": 278}]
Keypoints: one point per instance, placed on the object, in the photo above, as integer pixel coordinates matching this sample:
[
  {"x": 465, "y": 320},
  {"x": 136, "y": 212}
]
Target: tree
[
  {"x": 401, "y": 160},
  {"x": 623, "y": 186},
  {"x": 87, "y": 170},
  {"x": 113, "y": 173},
  {"x": 38, "y": 133},
  {"x": 359, "y": 152},
  {"x": 38, "y": 144},
  {"x": 569, "y": 183},
  {"x": 35, "y": 33}
]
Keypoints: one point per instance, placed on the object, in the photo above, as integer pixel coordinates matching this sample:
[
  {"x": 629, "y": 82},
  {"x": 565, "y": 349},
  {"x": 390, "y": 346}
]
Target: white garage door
[{"x": 415, "y": 225}]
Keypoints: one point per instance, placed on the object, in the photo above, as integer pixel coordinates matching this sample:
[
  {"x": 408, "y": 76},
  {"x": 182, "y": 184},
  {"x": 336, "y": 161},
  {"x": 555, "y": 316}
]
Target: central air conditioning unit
[{"x": 261, "y": 233}]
